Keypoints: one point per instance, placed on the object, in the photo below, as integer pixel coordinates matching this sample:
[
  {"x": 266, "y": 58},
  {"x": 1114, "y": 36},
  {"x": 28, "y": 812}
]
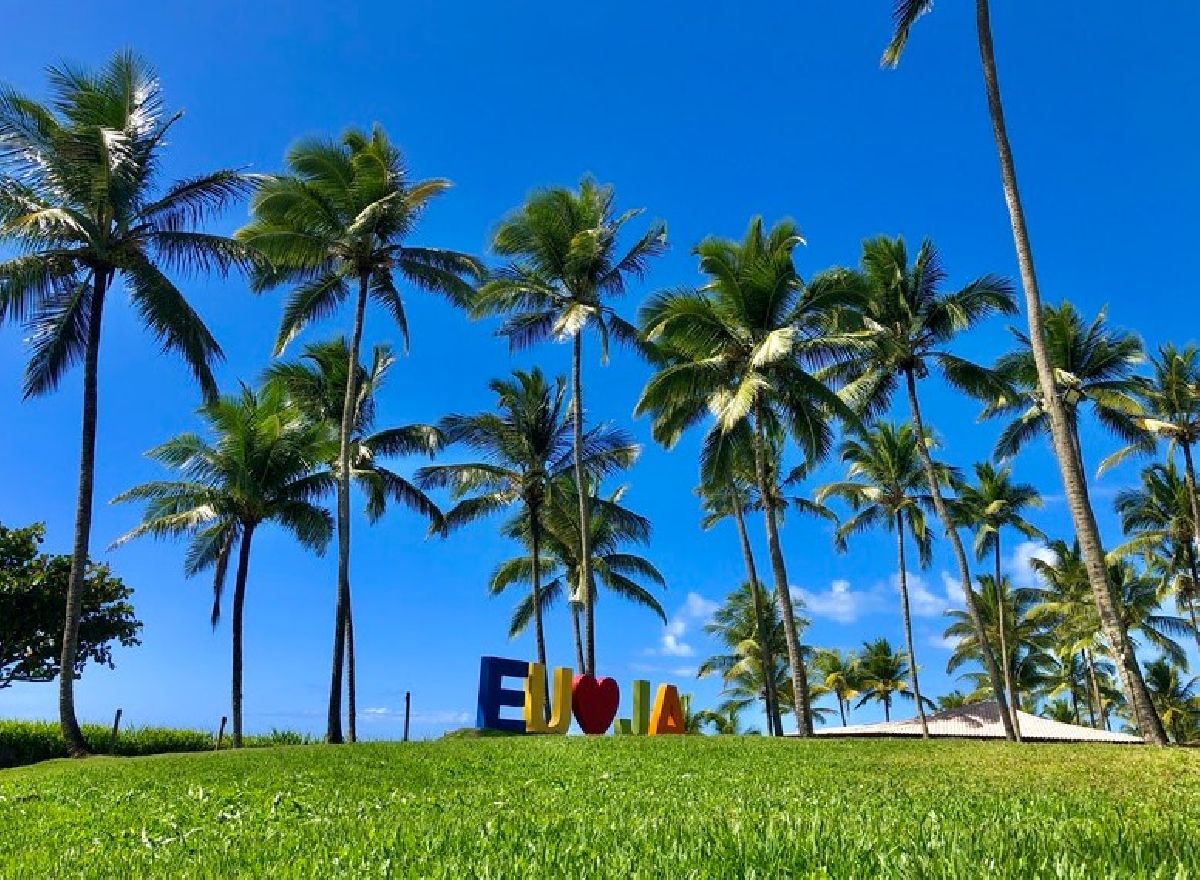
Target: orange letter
[{"x": 667, "y": 717}]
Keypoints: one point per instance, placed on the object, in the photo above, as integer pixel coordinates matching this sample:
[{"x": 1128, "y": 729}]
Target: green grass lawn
[{"x": 611, "y": 807}]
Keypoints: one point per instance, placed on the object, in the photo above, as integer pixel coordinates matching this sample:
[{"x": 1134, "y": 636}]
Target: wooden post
[
  {"x": 112, "y": 740},
  {"x": 407, "y": 712},
  {"x": 221, "y": 732}
]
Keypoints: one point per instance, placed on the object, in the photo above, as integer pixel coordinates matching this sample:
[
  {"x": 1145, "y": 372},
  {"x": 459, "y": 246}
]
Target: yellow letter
[
  {"x": 535, "y": 700},
  {"x": 667, "y": 717}
]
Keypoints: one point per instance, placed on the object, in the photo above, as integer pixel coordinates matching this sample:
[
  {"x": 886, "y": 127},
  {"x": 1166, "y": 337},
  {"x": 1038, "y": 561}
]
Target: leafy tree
[
  {"x": 33, "y": 588},
  {"x": 317, "y": 382},
  {"x": 901, "y": 323},
  {"x": 1093, "y": 364},
  {"x": 882, "y": 674},
  {"x": 885, "y": 486},
  {"x": 991, "y": 505},
  {"x": 80, "y": 203},
  {"x": 1027, "y": 642},
  {"x": 1060, "y": 710},
  {"x": 736, "y": 626},
  {"x": 527, "y": 458},
  {"x": 841, "y": 675},
  {"x": 337, "y": 223},
  {"x": 613, "y": 528},
  {"x": 566, "y": 265},
  {"x": 905, "y": 14},
  {"x": 954, "y": 700},
  {"x": 1176, "y": 699},
  {"x": 1170, "y": 403},
  {"x": 262, "y": 465},
  {"x": 742, "y": 347},
  {"x": 1157, "y": 519}
]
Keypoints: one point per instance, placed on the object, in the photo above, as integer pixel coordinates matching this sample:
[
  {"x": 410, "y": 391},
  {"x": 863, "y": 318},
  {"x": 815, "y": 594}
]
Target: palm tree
[
  {"x": 79, "y": 202},
  {"x": 613, "y": 528},
  {"x": 1026, "y": 640},
  {"x": 731, "y": 498},
  {"x": 338, "y": 222},
  {"x": 954, "y": 700},
  {"x": 1170, "y": 402},
  {"x": 527, "y": 457},
  {"x": 1060, "y": 710},
  {"x": 882, "y": 674},
  {"x": 1093, "y": 363},
  {"x": 885, "y": 486},
  {"x": 566, "y": 266},
  {"x": 1177, "y": 700},
  {"x": 905, "y": 14},
  {"x": 840, "y": 674},
  {"x": 902, "y": 322},
  {"x": 736, "y": 625},
  {"x": 994, "y": 503},
  {"x": 317, "y": 382},
  {"x": 1157, "y": 518},
  {"x": 740, "y": 347},
  {"x": 262, "y": 465}
]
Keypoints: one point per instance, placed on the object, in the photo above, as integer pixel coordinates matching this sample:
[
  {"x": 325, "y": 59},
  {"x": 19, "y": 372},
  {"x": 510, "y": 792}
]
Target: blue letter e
[{"x": 493, "y": 694}]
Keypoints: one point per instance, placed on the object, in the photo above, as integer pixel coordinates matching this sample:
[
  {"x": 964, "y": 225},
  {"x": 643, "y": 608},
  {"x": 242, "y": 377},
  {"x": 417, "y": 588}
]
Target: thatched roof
[{"x": 982, "y": 721}]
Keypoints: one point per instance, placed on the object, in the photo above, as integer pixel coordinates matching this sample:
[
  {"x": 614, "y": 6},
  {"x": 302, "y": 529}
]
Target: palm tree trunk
[
  {"x": 1189, "y": 476},
  {"x": 239, "y": 603},
  {"x": 579, "y": 659},
  {"x": 964, "y": 571},
  {"x": 586, "y": 586},
  {"x": 1074, "y": 482},
  {"x": 535, "y": 546},
  {"x": 907, "y": 621},
  {"x": 782, "y": 590},
  {"x": 333, "y": 721},
  {"x": 842, "y": 710},
  {"x": 760, "y": 617},
  {"x": 73, "y": 736},
  {"x": 351, "y": 680},
  {"x": 1094, "y": 707},
  {"x": 1191, "y": 597},
  {"x": 1005, "y": 664},
  {"x": 887, "y": 709}
]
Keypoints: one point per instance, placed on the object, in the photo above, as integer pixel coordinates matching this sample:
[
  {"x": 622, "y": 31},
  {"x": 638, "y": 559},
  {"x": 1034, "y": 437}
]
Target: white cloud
[
  {"x": 695, "y": 610},
  {"x": 923, "y": 601},
  {"x": 1019, "y": 564},
  {"x": 840, "y": 602},
  {"x": 944, "y": 643}
]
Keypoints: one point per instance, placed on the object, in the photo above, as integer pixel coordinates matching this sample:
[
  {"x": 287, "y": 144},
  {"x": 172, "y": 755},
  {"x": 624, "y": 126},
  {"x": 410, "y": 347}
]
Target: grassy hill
[{"x": 611, "y": 807}]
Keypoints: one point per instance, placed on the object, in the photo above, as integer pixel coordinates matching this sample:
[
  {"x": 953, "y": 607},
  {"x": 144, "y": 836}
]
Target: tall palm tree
[
  {"x": 263, "y": 464},
  {"x": 527, "y": 457},
  {"x": 337, "y": 223},
  {"x": 905, "y": 14},
  {"x": 1093, "y": 362},
  {"x": 1157, "y": 519},
  {"x": 742, "y": 347},
  {"x": 614, "y": 527},
  {"x": 902, "y": 322},
  {"x": 1170, "y": 403},
  {"x": 991, "y": 505},
  {"x": 737, "y": 626},
  {"x": 882, "y": 674},
  {"x": 80, "y": 203},
  {"x": 841, "y": 675},
  {"x": 732, "y": 497},
  {"x": 1027, "y": 641},
  {"x": 1177, "y": 700},
  {"x": 566, "y": 265},
  {"x": 885, "y": 486},
  {"x": 317, "y": 382}
]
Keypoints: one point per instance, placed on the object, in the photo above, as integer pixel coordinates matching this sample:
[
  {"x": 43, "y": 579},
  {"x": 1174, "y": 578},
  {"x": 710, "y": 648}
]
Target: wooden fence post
[
  {"x": 112, "y": 740},
  {"x": 221, "y": 732},
  {"x": 407, "y": 712}
]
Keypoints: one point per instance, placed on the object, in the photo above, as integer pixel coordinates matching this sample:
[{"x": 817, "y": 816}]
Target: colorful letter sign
[
  {"x": 535, "y": 700},
  {"x": 593, "y": 702}
]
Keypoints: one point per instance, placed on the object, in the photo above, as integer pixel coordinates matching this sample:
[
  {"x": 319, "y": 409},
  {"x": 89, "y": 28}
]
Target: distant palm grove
[{"x": 779, "y": 374}]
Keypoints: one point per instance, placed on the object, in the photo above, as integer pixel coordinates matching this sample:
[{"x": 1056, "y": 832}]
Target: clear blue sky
[{"x": 705, "y": 114}]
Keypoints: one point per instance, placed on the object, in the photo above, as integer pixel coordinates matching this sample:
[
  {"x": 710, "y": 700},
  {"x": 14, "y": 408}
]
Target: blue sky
[{"x": 704, "y": 114}]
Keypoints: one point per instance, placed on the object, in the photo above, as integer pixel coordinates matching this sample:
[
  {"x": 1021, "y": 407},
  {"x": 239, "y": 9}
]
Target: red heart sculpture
[{"x": 594, "y": 702}]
